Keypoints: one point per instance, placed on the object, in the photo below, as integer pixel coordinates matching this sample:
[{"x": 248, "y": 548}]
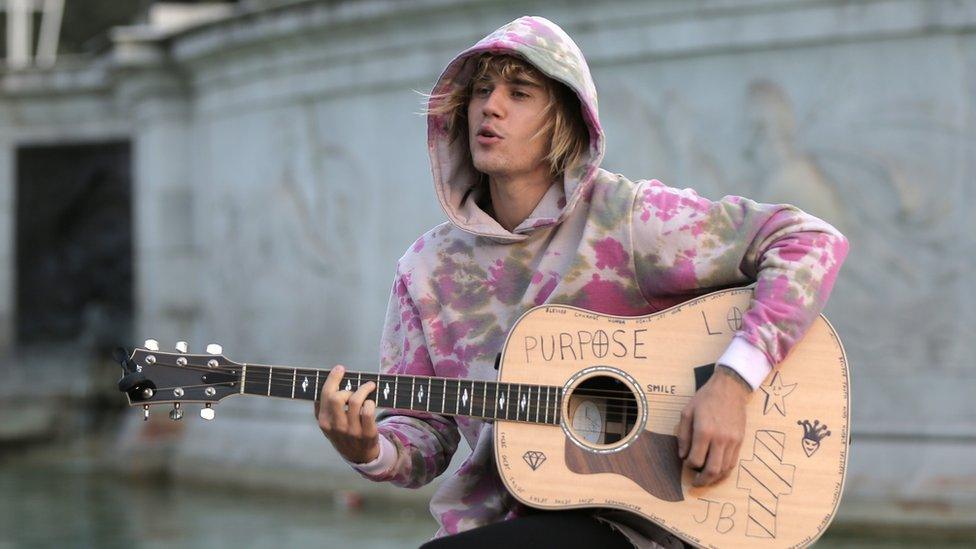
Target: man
[{"x": 515, "y": 145}]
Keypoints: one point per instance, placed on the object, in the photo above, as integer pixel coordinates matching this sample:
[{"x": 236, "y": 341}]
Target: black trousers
[{"x": 556, "y": 529}]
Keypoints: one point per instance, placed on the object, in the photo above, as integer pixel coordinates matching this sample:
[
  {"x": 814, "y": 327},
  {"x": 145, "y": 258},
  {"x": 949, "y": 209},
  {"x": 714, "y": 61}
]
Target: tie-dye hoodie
[{"x": 596, "y": 240}]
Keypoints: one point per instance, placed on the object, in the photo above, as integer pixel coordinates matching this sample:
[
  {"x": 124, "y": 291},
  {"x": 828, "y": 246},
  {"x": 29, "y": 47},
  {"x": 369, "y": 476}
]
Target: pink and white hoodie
[{"x": 596, "y": 240}]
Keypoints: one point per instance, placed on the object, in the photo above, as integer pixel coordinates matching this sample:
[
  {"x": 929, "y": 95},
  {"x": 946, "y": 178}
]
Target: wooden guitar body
[{"x": 624, "y": 383}]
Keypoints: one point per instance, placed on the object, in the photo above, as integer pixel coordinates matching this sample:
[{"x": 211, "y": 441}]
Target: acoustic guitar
[{"x": 586, "y": 407}]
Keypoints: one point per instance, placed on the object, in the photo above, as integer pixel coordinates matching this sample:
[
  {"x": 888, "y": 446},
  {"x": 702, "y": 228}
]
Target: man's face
[{"x": 503, "y": 116}]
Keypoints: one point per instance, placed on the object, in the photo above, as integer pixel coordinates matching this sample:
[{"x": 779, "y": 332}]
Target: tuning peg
[
  {"x": 151, "y": 344},
  {"x": 145, "y": 412},
  {"x": 207, "y": 412},
  {"x": 214, "y": 349},
  {"x": 181, "y": 346},
  {"x": 176, "y": 413}
]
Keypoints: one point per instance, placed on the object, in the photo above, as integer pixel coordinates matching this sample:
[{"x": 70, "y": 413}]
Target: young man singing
[{"x": 515, "y": 146}]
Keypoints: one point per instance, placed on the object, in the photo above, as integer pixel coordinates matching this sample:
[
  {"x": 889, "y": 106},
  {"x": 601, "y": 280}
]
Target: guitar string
[
  {"x": 619, "y": 409},
  {"x": 288, "y": 380}
]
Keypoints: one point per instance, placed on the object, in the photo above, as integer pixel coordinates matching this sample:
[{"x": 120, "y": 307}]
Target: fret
[
  {"x": 303, "y": 385},
  {"x": 457, "y": 399},
  {"x": 465, "y": 398},
  {"x": 484, "y": 397},
  {"x": 450, "y": 397},
  {"x": 558, "y": 405},
  {"x": 547, "y": 404},
  {"x": 508, "y": 394},
  {"x": 429, "y": 379},
  {"x": 413, "y": 382},
  {"x": 538, "y": 393},
  {"x": 315, "y": 395},
  {"x": 279, "y": 386},
  {"x": 520, "y": 405},
  {"x": 359, "y": 380},
  {"x": 396, "y": 384},
  {"x": 443, "y": 394},
  {"x": 270, "y": 372},
  {"x": 471, "y": 398},
  {"x": 397, "y": 402},
  {"x": 380, "y": 401},
  {"x": 389, "y": 390},
  {"x": 294, "y": 377},
  {"x": 256, "y": 381},
  {"x": 492, "y": 397},
  {"x": 536, "y": 403},
  {"x": 243, "y": 377}
]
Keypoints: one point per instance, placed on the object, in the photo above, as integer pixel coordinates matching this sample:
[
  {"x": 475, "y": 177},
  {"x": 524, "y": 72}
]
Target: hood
[{"x": 547, "y": 47}]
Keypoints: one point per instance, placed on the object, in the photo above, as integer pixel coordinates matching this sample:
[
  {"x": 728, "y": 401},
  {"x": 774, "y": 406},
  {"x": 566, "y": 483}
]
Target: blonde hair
[{"x": 565, "y": 128}]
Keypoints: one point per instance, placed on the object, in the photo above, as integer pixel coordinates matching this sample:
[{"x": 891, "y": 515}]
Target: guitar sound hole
[{"x": 603, "y": 410}]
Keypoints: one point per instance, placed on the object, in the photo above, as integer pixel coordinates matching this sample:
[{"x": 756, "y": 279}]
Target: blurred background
[{"x": 248, "y": 172}]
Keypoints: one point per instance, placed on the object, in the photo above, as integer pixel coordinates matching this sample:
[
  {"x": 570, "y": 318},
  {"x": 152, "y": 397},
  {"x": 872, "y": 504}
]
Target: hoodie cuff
[
  {"x": 747, "y": 360},
  {"x": 383, "y": 462}
]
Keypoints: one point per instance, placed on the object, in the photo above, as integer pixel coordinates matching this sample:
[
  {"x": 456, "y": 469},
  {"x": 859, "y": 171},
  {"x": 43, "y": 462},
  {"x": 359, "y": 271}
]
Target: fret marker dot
[{"x": 305, "y": 385}]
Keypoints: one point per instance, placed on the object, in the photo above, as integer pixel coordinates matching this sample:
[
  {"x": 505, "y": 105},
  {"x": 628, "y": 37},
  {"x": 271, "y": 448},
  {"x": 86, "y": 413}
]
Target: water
[
  {"x": 49, "y": 506},
  {"x": 65, "y": 502}
]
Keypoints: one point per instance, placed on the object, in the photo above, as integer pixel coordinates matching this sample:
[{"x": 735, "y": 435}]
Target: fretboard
[{"x": 455, "y": 397}]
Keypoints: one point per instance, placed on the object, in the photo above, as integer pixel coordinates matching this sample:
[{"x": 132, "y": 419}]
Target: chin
[{"x": 490, "y": 167}]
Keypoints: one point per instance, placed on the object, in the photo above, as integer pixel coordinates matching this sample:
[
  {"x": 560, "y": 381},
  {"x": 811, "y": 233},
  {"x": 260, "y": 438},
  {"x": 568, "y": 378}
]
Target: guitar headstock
[{"x": 151, "y": 377}]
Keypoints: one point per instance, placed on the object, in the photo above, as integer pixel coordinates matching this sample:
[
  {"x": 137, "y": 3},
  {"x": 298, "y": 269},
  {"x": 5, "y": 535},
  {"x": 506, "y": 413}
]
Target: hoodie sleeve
[
  {"x": 419, "y": 445},
  {"x": 686, "y": 245}
]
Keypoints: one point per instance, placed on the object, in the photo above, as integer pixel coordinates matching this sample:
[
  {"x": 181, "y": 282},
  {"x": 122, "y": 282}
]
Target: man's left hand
[{"x": 712, "y": 426}]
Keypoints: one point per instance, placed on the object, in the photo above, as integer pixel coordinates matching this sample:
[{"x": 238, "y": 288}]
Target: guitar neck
[{"x": 452, "y": 397}]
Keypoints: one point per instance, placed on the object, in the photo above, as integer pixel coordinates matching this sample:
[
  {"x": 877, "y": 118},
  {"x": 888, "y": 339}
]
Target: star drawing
[{"x": 776, "y": 392}]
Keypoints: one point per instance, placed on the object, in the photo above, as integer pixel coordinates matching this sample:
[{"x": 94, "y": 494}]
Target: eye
[
  {"x": 520, "y": 94},
  {"x": 482, "y": 90}
]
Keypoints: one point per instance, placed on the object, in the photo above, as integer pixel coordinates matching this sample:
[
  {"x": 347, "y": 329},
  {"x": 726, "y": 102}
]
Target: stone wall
[{"x": 280, "y": 169}]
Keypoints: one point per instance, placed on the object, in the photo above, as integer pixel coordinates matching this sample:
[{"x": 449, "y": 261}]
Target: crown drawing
[{"x": 814, "y": 432}]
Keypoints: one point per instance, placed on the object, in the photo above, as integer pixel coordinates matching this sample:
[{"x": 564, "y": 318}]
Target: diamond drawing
[
  {"x": 534, "y": 458},
  {"x": 386, "y": 391},
  {"x": 420, "y": 395},
  {"x": 464, "y": 397},
  {"x": 501, "y": 401},
  {"x": 349, "y": 385},
  {"x": 523, "y": 402},
  {"x": 305, "y": 385}
]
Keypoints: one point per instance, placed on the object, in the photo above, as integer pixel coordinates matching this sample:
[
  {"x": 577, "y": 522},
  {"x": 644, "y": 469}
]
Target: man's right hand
[{"x": 347, "y": 418}]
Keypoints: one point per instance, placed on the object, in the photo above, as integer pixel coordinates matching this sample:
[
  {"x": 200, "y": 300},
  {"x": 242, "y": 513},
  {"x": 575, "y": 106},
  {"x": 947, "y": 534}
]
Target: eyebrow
[
  {"x": 517, "y": 81},
  {"x": 525, "y": 82}
]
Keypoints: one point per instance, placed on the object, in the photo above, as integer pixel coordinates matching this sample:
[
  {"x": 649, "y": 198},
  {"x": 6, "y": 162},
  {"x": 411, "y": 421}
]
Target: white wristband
[{"x": 748, "y": 361}]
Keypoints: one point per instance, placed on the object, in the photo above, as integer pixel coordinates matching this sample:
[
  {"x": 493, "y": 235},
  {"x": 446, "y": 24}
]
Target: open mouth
[
  {"x": 486, "y": 136},
  {"x": 487, "y": 133}
]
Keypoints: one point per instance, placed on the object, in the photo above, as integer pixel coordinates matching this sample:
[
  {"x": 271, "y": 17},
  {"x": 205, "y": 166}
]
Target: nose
[{"x": 494, "y": 104}]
